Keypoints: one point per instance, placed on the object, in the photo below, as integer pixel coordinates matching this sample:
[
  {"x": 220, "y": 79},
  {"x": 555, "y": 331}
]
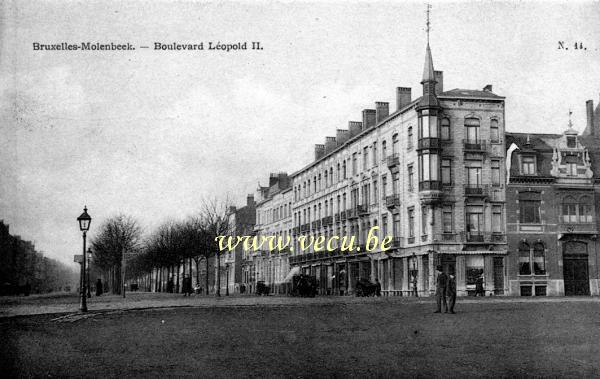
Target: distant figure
[
  {"x": 98, "y": 287},
  {"x": 440, "y": 290},
  {"x": 242, "y": 288},
  {"x": 187, "y": 286},
  {"x": 377, "y": 288},
  {"x": 451, "y": 292},
  {"x": 170, "y": 285},
  {"x": 479, "y": 286}
]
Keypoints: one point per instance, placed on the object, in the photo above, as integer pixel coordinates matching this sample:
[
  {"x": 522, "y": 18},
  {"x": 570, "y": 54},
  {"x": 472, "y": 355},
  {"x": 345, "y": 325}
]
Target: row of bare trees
[{"x": 173, "y": 249}]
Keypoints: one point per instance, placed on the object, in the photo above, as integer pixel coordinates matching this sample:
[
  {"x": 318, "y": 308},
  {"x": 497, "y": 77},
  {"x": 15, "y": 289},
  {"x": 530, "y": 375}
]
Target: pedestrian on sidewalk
[
  {"x": 440, "y": 290},
  {"x": 98, "y": 287},
  {"x": 451, "y": 292},
  {"x": 479, "y": 286}
]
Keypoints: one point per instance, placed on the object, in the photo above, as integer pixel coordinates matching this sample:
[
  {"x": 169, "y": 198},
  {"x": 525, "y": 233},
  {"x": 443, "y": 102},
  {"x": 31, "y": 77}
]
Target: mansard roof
[{"x": 470, "y": 93}]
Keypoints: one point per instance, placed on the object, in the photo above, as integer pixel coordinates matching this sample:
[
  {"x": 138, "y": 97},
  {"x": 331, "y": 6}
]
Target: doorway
[{"x": 575, "y": 269}]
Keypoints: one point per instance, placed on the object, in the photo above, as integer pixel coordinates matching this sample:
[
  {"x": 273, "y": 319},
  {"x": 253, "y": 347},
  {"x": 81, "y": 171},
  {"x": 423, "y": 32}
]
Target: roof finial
[
  {"x": 428, "y": 28},
  {"x": 570, "y": 122}
]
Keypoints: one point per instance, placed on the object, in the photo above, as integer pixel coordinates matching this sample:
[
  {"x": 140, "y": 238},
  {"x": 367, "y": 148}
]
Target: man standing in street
[
  {"x": 451, "y": 292},
  {"x": 440, "y": 290}
]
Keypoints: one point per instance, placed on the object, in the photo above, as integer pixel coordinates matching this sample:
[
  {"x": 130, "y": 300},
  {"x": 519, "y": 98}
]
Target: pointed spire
[
  {"x": 429, "y": 100},
  {"x": 428, "y": 74}
]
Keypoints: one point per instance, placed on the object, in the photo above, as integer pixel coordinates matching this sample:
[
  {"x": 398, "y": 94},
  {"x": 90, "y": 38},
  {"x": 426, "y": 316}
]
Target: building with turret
[{"x": 430, "y": 174}]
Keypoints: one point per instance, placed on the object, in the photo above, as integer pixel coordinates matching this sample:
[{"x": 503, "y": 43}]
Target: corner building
[{"x": 430, "y": 175}]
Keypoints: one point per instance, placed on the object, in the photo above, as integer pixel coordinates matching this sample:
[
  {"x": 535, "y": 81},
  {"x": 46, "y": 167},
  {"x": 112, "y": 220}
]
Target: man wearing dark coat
[
  {"x": 440, "y": 290},
  {"x": 451, "y": 292},
  {"x": 98, "y": 287}
]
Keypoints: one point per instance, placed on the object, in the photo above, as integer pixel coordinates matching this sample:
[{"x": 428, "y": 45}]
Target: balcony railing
[
  {"x": 393, "y": 160},
  {"x": 431, "y": 185},
  {"x": 363, "y": 209},
  {"x": 343, "y": 215},
  {"x": 352, "y": 213},
  {"x": 446, "y": 237},
  {"x": 429, "y": 143},
  {"x": 474, "y": 145},
  {"x": 397, "y": 242},
  {"x": 338, "y": 217},
  {"x": 411, "y": 240},
  {"x": 483, "y": 237},
  {"x": 477, "y": 190},
  {"x": 578, "y": 228},
  {"x": 392, "y": 201},
  {"x": 327, "y": 220},
  {"x": 316, "y": 224}
]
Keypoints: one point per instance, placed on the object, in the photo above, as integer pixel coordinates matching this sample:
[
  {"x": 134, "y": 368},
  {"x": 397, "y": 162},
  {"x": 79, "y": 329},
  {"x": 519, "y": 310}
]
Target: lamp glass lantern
[{"x": 84, "y": 221}]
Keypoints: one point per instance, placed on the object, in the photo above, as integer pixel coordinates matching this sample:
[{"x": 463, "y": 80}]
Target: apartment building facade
[
  {"x": 430, "y": 175},
  {"x": 273, "y": 219}
]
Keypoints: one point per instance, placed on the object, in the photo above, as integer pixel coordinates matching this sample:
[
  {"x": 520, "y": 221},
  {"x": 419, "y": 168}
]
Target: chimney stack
[
  {"x": 319, "y": 151},
  {"x": 330, "y": 144},
  {"x": 368, "y": 118},
  {"x": 341, "y": 136},
  {"x": 355, "y": 127},
  {"x": 403, "y": 97},
  {"x": 488, "y": 88},
  {"x": 439, "y": 78},
  {"x": 250, "y": 199},
  {"x": 589, "y": 110},
  {"x": 382, "y": 110}
]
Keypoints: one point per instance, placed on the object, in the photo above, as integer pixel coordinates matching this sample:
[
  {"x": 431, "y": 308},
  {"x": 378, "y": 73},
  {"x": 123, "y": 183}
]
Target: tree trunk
[
  {"x": 206, "y": 276},
  {"x": 218, "y": 289},
  {"x": 178, "y": 271}
]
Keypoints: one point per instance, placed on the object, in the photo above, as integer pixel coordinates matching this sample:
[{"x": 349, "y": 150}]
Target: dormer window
[
  {"x": 528, "y": 165},
  {"x": 571, "y": 142}
]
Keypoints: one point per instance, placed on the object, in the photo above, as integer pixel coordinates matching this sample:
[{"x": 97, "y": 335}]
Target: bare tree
[
  {"x": 215, "y": 216},
  {"x": 118, "y": 235}
]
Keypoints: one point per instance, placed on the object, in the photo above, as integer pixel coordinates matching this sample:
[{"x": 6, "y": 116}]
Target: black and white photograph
[{"x": 299, "y": 189}]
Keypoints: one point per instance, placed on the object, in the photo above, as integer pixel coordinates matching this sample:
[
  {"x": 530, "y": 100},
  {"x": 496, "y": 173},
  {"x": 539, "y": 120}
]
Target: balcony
[
  {"x": 430, "y": 185},
  {"x": 474, "y": 145},
  {"x": 477, "y": 190},
  {"x": 446, "y": 237},
  {"x": 392, "y": 201},
  {"x": 338, "y": 217},
  {"x": 397, "y": 242},
  {"x": 343, "y": 215},
  {"x": 411, "y": 240},
  {"x": 483, "y": 237},
  {"x": 363, "y": 210},
  {"x": 352, "y": 213},
  {"x": 327, "y": 220},
  {"x": 393, "y": 160},
  {"x": 304, "y": 228},
  {"x": 316, "y": 224},
  {"x": 429, "y": 143},
  {"x": 578, "y": 228}
]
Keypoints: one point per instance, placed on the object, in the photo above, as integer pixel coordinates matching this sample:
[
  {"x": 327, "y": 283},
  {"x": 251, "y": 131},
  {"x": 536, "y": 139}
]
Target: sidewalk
[{"x": 69, "y": 303}]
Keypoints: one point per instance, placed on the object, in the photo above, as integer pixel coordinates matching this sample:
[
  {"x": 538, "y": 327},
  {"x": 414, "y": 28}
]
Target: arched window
[
  {"x": 539, "y": 260},
  {"x": 383, "y": 150},
  {"x": 445, "y": 126},
  {"x": 472, "y": 130},
  {"x": 395, "y": 144},
  {"x": 409, "y": 137},
  {"x": 326, "y": 179},
  {"x": 494, "y": 131},
  {"x": 524, "y": 259},
  {"x": 331, "y": 175}
]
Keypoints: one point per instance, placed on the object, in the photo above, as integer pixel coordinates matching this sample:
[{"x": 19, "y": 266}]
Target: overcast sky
[{"x": 150, "y": 133}]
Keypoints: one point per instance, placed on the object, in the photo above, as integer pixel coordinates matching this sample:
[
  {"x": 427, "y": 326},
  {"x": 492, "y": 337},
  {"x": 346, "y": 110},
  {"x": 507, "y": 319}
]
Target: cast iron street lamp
[
  {"x": 227, "y": 271},
  {"x": 84, "y": 225}
]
